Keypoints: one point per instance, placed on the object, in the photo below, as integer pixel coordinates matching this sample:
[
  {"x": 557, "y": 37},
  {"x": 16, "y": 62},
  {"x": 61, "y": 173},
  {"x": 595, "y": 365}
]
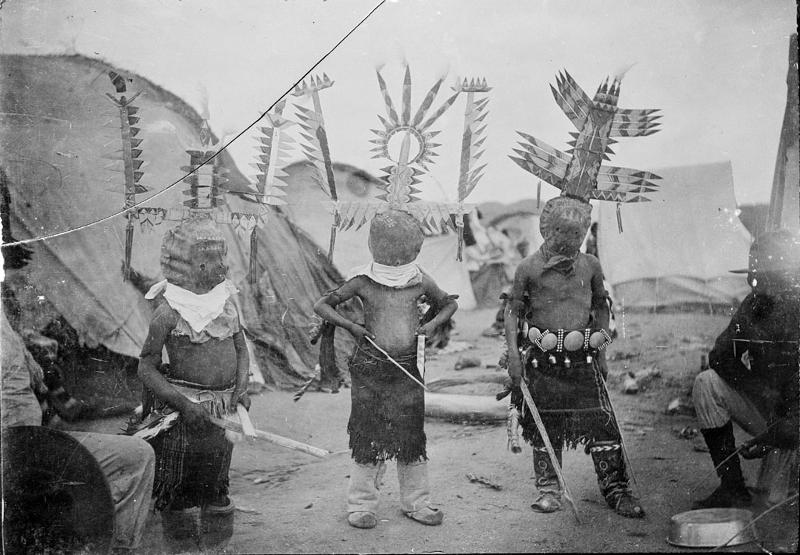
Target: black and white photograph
[{"x": 399, "y": 276}]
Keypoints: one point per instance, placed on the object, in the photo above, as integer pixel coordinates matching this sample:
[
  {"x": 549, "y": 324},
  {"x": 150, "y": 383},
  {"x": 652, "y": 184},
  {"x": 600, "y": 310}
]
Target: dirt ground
[{"x": 289, "y": 502}]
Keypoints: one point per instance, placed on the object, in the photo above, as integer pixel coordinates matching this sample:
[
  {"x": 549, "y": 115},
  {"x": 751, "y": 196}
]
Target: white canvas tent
[
  {"x": 678, "y": 249},
  {"x": 306, "y": 211}
]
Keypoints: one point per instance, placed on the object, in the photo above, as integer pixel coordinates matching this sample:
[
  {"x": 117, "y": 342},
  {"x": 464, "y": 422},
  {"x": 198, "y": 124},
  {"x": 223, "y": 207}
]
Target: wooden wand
[
  {"x": 272, "y": 438},
  {"x": 546, "y": 439},
  {"x": 393, "y": 361}
]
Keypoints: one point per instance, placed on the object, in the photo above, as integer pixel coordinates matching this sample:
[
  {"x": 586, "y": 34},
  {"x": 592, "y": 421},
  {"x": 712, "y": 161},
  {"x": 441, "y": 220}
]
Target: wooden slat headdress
[
  {"x": 578, "y": 172},
  {"x": 205, "y": 183},
  {"x": 407, "y": 141}
]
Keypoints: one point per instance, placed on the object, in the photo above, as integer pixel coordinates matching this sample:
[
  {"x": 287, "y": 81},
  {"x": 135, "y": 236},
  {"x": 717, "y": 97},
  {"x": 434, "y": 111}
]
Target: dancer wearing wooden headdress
[
  {"x": 198, "y": 323},
  {"x": 387, "y": 366},
  {"x": 558, "y": 317},
  {"x": 208, "y": 366},
  {"x": 388, "y": 405}
]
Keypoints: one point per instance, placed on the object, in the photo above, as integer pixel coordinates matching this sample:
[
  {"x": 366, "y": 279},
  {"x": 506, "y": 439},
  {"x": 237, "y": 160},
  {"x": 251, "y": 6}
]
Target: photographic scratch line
[{"x": 222, "y": 149}]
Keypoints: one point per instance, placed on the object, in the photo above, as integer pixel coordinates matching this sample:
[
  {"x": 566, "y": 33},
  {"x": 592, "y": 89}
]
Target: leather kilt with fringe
[
  {"x": 387, "y": 414},
  {"x": 192, "y": 465},
  {"x": 572, "y": 402}
]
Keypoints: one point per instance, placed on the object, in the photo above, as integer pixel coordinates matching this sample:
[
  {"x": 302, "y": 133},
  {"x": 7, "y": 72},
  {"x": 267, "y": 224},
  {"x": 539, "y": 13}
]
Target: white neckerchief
[
  {"x": 197, "y": 310},
  {"x": 391, "y": 276}
]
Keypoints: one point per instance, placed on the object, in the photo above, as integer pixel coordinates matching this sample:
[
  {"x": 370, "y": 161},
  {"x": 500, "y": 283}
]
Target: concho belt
[{"x": 560, "y": 343}]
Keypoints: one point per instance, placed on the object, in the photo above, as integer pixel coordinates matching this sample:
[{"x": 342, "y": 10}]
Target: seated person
[
  {"x": 753, "y": 374},
  {"x": 128, "y": 463}
]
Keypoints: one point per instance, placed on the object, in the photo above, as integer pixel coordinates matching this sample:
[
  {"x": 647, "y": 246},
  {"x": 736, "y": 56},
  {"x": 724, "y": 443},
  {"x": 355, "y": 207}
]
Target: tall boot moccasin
[
  {"x": 732, "y": 491},
  {"x": 415, "y": 493},
  {"x": 362, "y": 494},
  {"x": 549, "y": 498},
  {"x": 612, "y": 478}
]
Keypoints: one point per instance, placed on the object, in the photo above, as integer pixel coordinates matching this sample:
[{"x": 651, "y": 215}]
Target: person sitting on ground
[
  {"x": 388, "y": 407},
  {"x": 206, "y": 376},
  {"x": 753, "y": 368},
  {"x": 128, "y": 463}
]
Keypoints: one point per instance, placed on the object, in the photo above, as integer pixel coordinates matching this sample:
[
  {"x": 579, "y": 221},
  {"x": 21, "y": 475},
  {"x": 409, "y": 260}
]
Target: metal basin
[{"x": 710, "y": 528}]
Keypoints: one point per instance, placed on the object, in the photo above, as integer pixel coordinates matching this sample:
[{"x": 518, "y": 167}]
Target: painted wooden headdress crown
[
  {"x": 205, "y": 183},
  {"x": 407, "y": 141},
  {"x": 578, "y": 172}
]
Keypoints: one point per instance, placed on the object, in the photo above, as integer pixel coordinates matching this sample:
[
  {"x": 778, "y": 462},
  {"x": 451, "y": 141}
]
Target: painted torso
[
  {"x": 555, "y": 300},
  {"x": 391, "y": 314},
  {"x": 211, "y": 362}
]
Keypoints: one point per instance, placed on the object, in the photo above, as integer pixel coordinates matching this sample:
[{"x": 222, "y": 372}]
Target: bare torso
[
  {"x": 391, "y": 314},
  {"x": 212, "y": 364},
  {"x": 558, "y": 301}
]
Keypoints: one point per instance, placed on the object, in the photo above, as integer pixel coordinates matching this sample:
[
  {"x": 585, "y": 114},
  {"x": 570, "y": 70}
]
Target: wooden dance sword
[
  {"x": 421, "y": 355},
  {"x": 393, "y": 361},
  {"x": 546, "y": 439},
  {"x": 621, "y": 439},
  {"x": 272, "y": 438},
  {"x": 244, "y": 417}
]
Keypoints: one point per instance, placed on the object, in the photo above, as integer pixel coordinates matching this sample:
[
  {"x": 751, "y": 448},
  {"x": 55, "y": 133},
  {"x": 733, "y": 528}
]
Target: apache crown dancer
[
  {"x": 387, "y": 366},
  {"x": 207, "y": 373},
  {"x": 388, "y": 407},
  {"x": 559, "y": 291},
  {"x": 558, "y": 313}
]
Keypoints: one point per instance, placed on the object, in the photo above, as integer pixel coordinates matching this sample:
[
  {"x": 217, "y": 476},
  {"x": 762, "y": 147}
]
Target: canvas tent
[
  {"x": 306, "y": 210},
  {"x": 520, "y": 225},
  {"x": 55, "y": 129},
  {"x": 678, "y": 249}
]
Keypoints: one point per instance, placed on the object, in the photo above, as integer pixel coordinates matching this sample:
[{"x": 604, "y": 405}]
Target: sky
[{"x": 716, "y": 68}]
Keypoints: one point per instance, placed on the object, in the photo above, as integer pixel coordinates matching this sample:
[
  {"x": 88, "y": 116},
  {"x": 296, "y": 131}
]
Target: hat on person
[{"x": 774, "y": 251}]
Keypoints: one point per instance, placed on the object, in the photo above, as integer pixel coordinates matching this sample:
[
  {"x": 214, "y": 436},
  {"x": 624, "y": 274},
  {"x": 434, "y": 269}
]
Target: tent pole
[{"x": 253, "y": 257}]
